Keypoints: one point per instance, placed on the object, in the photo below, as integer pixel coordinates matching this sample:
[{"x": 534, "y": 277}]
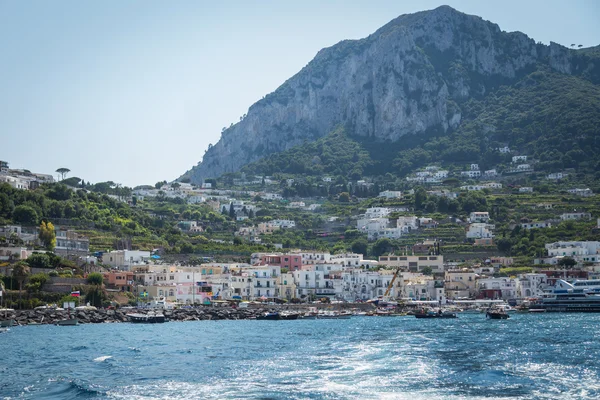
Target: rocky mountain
[{"x": 412, "y": 76}]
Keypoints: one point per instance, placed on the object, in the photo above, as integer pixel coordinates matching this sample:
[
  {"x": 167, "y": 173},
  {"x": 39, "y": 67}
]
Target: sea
[{"x": 529, "y": 356}]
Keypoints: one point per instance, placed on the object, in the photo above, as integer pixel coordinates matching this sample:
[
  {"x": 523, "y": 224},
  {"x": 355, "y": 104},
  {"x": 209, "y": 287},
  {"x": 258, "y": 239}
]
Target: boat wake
[{"x": 101, "y": 359}]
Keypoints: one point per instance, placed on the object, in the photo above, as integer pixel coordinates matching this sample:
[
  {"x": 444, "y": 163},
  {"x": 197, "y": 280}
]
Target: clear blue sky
[{"x": 134, "y": 91}]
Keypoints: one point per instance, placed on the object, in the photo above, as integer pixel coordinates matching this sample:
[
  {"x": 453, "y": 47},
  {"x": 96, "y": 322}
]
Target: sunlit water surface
[{"x": 541, "y": 356}]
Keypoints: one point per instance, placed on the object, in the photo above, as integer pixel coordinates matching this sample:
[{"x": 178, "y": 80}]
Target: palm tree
[
  {"x": 20, "y": 272},
  {"x": 63, "y": 172}
]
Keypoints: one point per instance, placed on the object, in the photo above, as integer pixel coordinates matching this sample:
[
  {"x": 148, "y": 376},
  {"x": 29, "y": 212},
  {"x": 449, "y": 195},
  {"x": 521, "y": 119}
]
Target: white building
[
  {"x": 525, "y": 189},
  {"x": 479, "y": 216},
  {"x": 480, "y": 231},
  {"x": 556, "y": 175},
  {"x": 271, "y": 196},
  {"x": 284, "y": 223},
  {"x": 504, "y": 288},
  {"x": 518, "y": 159},
  {"x": 471, "y": 174},
  {"x": 575, "y": 215},
  {"x": 125, "y": 259},
  {"x": 581, "y": 192},
  {"x": 391, "y": 194},
  {"x": 377, "y": 212},
  {"x": 536, "y": 224},
  {"x": 571, "y": 249},
  {"x": 414, "y": 263},
  {"x": 531, "y": 285}
]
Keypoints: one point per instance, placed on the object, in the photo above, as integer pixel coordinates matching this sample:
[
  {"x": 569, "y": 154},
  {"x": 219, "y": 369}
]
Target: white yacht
[{"x": 578, "y": 296}]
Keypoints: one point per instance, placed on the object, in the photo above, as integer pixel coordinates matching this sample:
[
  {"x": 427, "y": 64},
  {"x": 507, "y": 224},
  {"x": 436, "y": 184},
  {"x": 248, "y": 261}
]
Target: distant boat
[
  {"x": 269, "y": 316},
  {"x": 434, "y": 314},
  {"x": 7, "y": 323},
  {"x": 67, "y": 322},
  {"x": 150, "y": 318},
  {"x": 70, "y": 321},
  {"x": 496, "y": 313},
  {"x": 3, "y": 330}
]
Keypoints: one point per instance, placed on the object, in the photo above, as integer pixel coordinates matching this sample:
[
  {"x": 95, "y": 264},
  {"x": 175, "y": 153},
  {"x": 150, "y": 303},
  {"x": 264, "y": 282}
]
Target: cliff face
[{"x": 408, "y": 77}]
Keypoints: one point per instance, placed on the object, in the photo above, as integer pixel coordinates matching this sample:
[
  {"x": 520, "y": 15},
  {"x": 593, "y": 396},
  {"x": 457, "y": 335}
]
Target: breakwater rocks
[{"x": 51, "y": 316}]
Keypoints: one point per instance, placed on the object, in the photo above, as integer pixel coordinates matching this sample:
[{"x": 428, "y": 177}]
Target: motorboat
[
  {"x": 149, "y": 318},
  {"x": 496, "y": 313},
  {"x": 7, "y": 323},
  {"x": 435, "y": 314},
  {"x": 269, "y": 316},
  {"x": 286, "y": 316},
  {"x": 68, "y": 322}
]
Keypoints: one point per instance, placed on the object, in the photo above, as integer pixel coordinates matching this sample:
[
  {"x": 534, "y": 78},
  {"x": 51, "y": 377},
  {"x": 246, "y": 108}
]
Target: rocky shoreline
[{"x": 202, "y": 313}]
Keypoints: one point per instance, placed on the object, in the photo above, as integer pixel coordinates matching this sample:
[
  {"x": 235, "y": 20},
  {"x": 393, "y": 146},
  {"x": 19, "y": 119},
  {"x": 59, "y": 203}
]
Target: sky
[{"x": 134, "y": 91}]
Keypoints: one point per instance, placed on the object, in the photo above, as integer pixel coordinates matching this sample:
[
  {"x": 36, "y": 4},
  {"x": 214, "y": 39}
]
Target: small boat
[
  {"x": 496, "y": 313},
  {"x": 435, "y": 314},
  {"x": 67, "y": 322},
  {"x": 4, "y": 330},
  {"x": 288, "y": 316},
  {"x": 150, "y": 318},
  {"x": 7, "y": 323},
  {"x": 269, "y": 316}
]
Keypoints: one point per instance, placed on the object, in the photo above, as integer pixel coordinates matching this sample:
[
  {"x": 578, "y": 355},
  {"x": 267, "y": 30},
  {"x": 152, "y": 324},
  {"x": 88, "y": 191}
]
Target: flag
[{"x": 75, "y": 294}]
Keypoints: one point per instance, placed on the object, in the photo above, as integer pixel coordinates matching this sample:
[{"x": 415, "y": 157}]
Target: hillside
[
  {"x": 541, "y": 115},
  {"x": 418, "y": 75}
]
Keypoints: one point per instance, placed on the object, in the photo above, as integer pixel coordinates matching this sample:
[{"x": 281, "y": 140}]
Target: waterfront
[{"x": 526, "y": 357}]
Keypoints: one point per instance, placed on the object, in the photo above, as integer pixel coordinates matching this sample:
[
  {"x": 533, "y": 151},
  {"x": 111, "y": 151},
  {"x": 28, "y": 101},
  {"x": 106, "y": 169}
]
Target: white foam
[{"x": 103, "y": 358}]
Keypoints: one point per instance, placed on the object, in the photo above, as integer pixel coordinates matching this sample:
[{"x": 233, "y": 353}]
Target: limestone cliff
[{"x": 408, "y": 77}]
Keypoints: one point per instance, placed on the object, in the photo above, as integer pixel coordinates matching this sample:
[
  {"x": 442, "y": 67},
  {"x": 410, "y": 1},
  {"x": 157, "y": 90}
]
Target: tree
[
  {"x": 48, "y": 235},
  {"x": 504, "y": 245},
  {"x": 420, "y": 198},
  {"x": 95, "y": 278},
  {"x": 25, "y": 215},
  {"x": 63, "y": 172},
  {"x": 381, "y": 246},
  {"x": 360, "y": 246},
  {"x": 19, "y": 273},
  {"x": 231, "y": 211},
  {"x": 567, "y": 262},
  {"x": 176, "y": 185},
  {"x": 344, "y": 197},
  {"x": 427, "y": 270},
  {"x": 39, "y": 260}
]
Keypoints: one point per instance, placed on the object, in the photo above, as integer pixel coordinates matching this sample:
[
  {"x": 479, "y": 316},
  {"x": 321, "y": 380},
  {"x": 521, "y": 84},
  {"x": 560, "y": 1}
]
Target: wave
[
  {"x": 67, "y": 390},
  {"x": 102, "y": 358}
]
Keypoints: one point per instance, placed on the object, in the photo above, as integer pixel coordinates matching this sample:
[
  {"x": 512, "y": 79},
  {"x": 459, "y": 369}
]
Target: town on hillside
[{"x": 440, "y": 235}]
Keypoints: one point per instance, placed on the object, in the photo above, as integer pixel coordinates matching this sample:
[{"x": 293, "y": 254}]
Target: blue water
[{"x": 526, "y": 357}]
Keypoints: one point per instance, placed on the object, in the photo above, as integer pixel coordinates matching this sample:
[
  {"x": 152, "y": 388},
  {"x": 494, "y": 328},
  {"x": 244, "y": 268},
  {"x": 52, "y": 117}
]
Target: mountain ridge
[{"x": 408, "y": 77}]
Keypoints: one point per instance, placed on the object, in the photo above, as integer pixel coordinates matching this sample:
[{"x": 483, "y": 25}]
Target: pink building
[
  {"x": 119, "y": 280},
  {"x": 291, "y": 262}
]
